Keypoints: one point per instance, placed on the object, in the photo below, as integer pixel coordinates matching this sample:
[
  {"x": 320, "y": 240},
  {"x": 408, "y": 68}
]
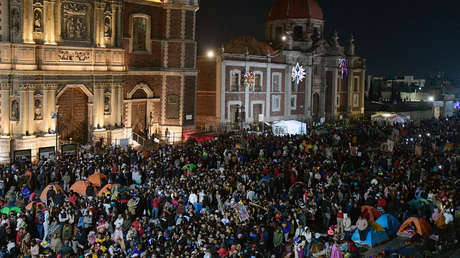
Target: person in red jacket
[{"x": 381, "y": 203}]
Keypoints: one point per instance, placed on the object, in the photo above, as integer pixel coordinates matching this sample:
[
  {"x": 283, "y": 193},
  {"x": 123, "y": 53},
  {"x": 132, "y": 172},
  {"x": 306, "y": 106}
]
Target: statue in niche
[
  {"x": 14, "y": 110},
  {"x": 106, "y": 104},
  {"x": 38, "y": 110},
  {"x": 37, "y": 20},
  {"x": 107, "y": 27}
]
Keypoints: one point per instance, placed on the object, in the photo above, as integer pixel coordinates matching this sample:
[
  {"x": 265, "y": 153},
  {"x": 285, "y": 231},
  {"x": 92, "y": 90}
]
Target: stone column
[
  {"x": 49, "y": 10},
  {"x": 98, "y": 106},
  {"x": 30, "y": 111},
  {"x": 287, "y": 91},
  {"x": 361, "y": 90},
  {"x": 128, "y": 115},
  {"x": 334, "y": 92},
  {"x": 23, "y": 110},
  {"x": 52, "y": 107},
  {"x": 113, "y": 24},
  {"x": 99, "y": 24},
  {"x": 57, "y": 21},
  {"x": 120, "y": 106},
  {"x": 113, "y": 104},
  {"x": 322, "y": 95},
  {"x": 268, "y": 93},
  {"x": 28, "y": 22},
  {"x": 5, "y": 109},
  {"x": 45, "y": 111},
  {"x": 118, "y": 27},
  {"x": 350, "y": 92},
  {"x": 308, "y": 94}
]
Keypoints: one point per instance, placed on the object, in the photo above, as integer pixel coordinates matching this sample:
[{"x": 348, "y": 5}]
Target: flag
[{"x": 241, "y": 211}]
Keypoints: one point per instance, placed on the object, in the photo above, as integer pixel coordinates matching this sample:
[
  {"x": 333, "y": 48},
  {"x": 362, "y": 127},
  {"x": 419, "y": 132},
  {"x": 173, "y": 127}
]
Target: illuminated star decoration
[
  {"x": 298, "y": 73},
  {"x": 457, "y": 105},
  {"x": 249, "y": 79},
  {"x": 343, "y": 67}
]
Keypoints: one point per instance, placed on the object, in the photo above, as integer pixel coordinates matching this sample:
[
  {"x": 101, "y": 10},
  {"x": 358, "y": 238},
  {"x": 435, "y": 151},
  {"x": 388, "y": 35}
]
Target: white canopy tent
[{"x": 289, "y": 127}]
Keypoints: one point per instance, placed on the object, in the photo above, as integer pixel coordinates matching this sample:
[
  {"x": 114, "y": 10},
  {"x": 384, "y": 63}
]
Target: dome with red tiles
[{"x": 295, "y": 9}]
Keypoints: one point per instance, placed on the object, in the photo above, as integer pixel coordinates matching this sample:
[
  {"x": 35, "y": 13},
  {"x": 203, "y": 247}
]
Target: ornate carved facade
[{"x": 77, "y": 58}]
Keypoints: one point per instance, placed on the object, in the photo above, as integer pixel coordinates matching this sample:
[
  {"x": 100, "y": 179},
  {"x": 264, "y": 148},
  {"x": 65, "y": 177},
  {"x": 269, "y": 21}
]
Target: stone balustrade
[{"x": 62, "y": 58}]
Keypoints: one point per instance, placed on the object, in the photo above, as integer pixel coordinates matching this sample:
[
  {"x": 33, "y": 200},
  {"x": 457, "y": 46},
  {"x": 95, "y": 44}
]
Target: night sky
[{"x": 396, "y": 37}]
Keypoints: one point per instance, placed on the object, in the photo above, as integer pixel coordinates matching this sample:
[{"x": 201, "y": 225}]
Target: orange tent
[
  {"x": 105, "y": 189},
  {"x": 37, "y": 204},
  {"x": 413, "y": 226},
  {"x": 81, "y": 186},
  {"x": 370, "y": 213},
  {"x": 56, "y": 187},
  {"x": 96, "y": 178}
]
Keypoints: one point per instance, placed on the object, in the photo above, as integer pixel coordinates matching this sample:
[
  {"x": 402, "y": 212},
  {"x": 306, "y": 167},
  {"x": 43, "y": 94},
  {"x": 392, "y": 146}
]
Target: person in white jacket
[
  {"x": 346, "y": 224},
  {"x": 118, "y": 232},
  {"x": 46, "y": 224},
  {"x": 193, "y": 198},
  {"x": 301, "y": 231}
]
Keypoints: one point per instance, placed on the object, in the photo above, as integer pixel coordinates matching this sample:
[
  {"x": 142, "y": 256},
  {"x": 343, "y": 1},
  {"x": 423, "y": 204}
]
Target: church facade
[
  {"x": 333, "y": 86},
  {"x": 111, "y": 69}
]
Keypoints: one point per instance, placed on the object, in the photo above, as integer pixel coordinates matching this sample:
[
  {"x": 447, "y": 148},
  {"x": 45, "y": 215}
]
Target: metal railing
[{"x": 139, "y": 139}]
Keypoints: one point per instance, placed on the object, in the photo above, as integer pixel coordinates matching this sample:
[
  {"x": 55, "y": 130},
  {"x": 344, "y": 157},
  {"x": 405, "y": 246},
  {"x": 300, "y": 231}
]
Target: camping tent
[
  {"x": 421, "y": 227},
  {"x": 389, "y": 223},
  {"x": 289, "y": 127},
  {"x": 373, "y": 237}
]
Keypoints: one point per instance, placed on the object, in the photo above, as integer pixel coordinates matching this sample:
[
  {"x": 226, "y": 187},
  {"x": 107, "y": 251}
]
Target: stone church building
[
  {"x": 111, "y": 69},
  {"x": 294, "y": 34}
]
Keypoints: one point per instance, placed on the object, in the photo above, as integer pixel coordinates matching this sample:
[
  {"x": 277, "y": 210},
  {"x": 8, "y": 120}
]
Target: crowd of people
[{"x": 237, "y": 195}]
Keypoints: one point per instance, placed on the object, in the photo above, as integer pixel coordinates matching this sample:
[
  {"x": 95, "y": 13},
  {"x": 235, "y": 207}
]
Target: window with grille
[
  {"x": 276, "y": 83},
  {"x": 172, "y": 108}
]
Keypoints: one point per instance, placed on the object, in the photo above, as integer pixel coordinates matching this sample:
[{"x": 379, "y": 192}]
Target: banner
[{"x": 241, "y": 211}]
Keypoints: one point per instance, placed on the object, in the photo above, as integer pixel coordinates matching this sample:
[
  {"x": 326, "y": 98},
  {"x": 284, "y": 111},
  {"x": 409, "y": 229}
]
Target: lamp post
[{"x": 56, "y": 116}]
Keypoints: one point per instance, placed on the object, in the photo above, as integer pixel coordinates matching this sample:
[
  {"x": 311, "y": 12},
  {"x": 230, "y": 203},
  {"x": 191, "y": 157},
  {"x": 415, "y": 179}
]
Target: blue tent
[
  {"x": 389, "y": 223},
  {"x": 373, "y": 237}
]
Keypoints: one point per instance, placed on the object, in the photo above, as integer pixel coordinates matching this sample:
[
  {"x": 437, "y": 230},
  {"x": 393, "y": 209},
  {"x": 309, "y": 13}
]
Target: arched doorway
[
  {"x": 73, "y": 105},
  {"x": 139, "y": 112},
  {"x": 315, "y": 105}
]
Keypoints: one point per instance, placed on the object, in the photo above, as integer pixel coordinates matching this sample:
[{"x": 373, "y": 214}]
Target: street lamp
[
  {"x": 210, "y": 54},
  {"x": 283, "y": 38},
  {"x": 57, "y": 116}
]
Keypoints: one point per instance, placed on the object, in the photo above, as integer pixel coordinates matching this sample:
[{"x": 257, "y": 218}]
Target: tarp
[
  {"x": 289, "y": 127},
  {"x": 373, "y": 237},
  {"x": 421, "y": 227},
  {"x": 389, "y": 223}
]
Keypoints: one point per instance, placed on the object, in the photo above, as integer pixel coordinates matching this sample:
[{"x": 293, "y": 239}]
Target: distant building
[
  {"x": 294, "y": 31},
  {"x": 408, "y": 80}
]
